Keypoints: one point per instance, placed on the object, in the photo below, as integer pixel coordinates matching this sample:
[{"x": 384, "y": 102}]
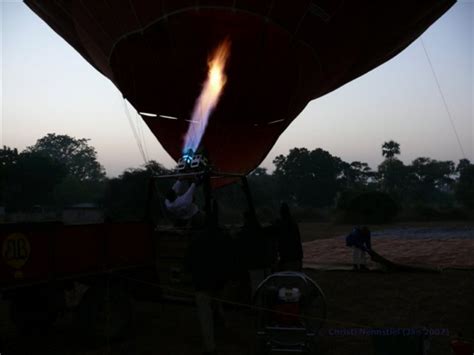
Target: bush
[
  {"x": 431, "y": 214},
  {"x": 310, "y": 214},
  {"x": 371, "y": 207}
]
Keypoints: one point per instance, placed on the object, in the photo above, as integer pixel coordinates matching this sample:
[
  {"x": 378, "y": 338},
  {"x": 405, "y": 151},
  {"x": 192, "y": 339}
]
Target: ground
[
  {"x": 441, "y": 301},
  {"x": 311, "y": 231}
]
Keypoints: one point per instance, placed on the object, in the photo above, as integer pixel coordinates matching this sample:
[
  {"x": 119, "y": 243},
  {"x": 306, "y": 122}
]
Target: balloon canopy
[{"x": 284, "y": 54}]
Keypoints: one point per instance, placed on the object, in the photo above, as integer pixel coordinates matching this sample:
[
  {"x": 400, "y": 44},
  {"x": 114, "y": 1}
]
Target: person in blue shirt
[{"x": 359, "y": 240}]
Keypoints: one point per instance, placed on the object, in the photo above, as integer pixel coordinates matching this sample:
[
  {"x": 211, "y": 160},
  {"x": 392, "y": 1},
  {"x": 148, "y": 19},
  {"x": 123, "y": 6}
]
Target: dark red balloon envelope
[{"x": 284, "y": 54}]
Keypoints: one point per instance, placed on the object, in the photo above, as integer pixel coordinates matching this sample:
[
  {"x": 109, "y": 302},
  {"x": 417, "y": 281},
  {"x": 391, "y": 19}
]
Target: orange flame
[{"x": 209, "y": 97}]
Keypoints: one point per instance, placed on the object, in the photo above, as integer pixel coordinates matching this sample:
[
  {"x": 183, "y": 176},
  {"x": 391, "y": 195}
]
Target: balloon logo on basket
[{"x": 16, "y": 250}]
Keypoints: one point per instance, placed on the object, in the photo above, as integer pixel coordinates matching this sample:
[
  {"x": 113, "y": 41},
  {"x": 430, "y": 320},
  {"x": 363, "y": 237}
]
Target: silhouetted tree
[
  {"x": 394, "y": 177},
  {"x": 310, "y": 178},
  {"x": 264, "y": 189},
  {"x": 77, "y": 155},
  {"x": 465, "y": 185},
  {"x": 8, "y": 156},
  {"x": 430, "y": 178},
  {"x": 8, "y": 159},
  {"x": 463, "y": 163},
  {"x": 358, "y": 175},
  {"x": 126, "y": 196},
  {"x": 390, "y": 149},
  {"x": 72, "y": 191},
  {"x": 31, "y": 180},
  {"x": 368, "y": 207}
]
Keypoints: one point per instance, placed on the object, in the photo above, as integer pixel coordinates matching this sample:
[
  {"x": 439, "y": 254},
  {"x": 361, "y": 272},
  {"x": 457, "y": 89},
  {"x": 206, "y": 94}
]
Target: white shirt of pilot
[{"x": 183, "y": 207}]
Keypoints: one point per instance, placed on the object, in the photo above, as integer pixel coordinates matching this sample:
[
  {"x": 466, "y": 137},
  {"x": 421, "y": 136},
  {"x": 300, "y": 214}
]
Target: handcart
[{"x": 291, "y": 311}]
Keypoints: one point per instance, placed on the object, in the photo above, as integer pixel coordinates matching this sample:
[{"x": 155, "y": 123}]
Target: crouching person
[{"x": 359, "y": 240}]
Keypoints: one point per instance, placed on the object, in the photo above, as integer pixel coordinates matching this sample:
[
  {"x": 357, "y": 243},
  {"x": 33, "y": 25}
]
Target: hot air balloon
[{"x": 283, "y": 55}]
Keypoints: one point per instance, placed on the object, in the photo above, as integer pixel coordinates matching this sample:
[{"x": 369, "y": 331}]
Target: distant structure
[
  {"x": 83, "y": 213},
  {"x": 36, "y": 213}
]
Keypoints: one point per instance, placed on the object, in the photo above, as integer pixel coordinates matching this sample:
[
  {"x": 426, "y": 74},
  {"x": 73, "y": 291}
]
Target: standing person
[
  {"x": 290, "y": 249},
  {"x": 360, "y": 241},
  {"x": 254, "y": 251},
  {"x": 206, "y": 264}
]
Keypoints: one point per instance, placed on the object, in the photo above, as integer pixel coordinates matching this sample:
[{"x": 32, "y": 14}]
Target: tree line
[
  {"x": 427, "y": 187},
  {"x": 59, "y": 171}
]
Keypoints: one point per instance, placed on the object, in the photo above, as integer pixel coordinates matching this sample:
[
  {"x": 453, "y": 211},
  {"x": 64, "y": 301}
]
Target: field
[
  {"x": 441, "y": 302},
  {"x": 312, "y": 231}
]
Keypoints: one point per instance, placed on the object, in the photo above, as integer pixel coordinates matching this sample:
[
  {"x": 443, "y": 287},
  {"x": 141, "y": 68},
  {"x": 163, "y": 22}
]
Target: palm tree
[{"x": 390, "y": 149}]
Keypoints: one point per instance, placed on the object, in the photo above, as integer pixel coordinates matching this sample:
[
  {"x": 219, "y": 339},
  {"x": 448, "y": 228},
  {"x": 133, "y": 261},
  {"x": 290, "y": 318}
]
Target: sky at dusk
[{"x": 48, "y": 87}]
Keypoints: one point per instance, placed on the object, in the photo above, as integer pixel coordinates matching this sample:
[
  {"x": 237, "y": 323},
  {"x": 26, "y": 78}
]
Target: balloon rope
[
  {"x": 135, "y": 134},
  {"x": 444, "y": 99},
  {"x": 142, "y": 136}
]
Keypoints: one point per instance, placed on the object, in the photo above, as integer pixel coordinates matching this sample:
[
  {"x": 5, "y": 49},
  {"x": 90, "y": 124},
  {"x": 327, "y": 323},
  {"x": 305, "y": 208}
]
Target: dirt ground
[
  {"x": 355, "y": 300},
  {"x": 435, "y": 254},
  {"x": 441, "y": 302},
  {"x": 431, "y": 245},
  {"x": 312, "y": 231}
]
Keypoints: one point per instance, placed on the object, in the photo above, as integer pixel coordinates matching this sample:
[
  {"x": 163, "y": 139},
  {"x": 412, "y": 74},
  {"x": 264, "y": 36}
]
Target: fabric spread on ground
[{"x": 439, "y": 248}]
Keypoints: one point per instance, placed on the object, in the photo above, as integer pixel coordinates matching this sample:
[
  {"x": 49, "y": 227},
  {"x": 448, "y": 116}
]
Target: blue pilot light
[
  {"x": 188, "y": 156},
  {"x": 186, "y": 160},
  {"x": 191, "y": 160}
]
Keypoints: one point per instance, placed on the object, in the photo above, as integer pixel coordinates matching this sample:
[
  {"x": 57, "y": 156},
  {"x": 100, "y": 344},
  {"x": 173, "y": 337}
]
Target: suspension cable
[
  {"x": 135, "y": 133},
  {"x": 444, "y": 98}
]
